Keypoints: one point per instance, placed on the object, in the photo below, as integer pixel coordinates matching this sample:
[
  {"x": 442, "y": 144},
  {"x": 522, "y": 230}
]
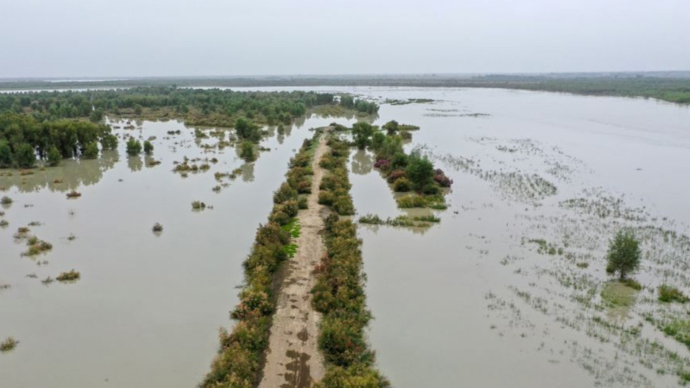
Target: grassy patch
[{"x": 618, "y": 294}]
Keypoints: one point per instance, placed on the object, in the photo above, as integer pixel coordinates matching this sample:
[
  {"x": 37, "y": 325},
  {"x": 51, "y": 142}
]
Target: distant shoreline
[{"x": 667, "y": 86}]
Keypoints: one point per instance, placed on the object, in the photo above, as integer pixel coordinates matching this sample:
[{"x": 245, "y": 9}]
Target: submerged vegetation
[
  {"x": 405, "y": 221},
  {"x": 70, "y": 276},
  {"x": 8, "y": 344},
  {"x": 240, "y": 358}
]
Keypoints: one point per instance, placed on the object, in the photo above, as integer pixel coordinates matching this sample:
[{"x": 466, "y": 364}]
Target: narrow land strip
[{"x": 293, "y": 359}]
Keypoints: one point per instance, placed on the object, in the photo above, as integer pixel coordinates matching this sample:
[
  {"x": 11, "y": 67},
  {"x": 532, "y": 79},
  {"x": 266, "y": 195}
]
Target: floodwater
[
  {"x": 147, "y": 309},
  {"x": 505, "y": 291},
  {"x": 471, "y": 302}
]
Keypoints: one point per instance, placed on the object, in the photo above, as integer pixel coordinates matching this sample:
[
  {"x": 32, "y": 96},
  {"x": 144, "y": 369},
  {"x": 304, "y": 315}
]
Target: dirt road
[{"x": 293, "y": 359}]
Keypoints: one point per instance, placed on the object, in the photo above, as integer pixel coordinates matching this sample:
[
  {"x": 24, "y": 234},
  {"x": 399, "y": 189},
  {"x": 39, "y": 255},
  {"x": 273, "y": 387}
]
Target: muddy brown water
[
  {"x": 468, "y": 302},
  {"x": 147, "y": 309}
]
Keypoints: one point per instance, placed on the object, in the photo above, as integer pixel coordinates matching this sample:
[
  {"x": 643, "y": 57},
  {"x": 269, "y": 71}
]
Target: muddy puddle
[{"x": 147, "y": 307}]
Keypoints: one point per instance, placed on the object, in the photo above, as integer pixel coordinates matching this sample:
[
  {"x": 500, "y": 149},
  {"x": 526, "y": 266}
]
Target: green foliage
[
  {"x": 109, "y": 142},
  {"x": 335, "y": 186},
  {"x": 339, "y": 295},
  {"x": 97, "y": 115},
  {"x": 240, "y": 358},
  {"x": 669, "y": 294},
  {"x": 402, "y": 185},
  {"x": 6, "y": 157},
  {"x": 623, "y": 255},
  {"x": 247, "y": 151},
  {"x": 24, "y": 156},
  {"x": 419, "y": 171},
  {"x": 148, "y": 147},
  {"x": 391, "y": 127},
  {"x": 247, "y": 130},
  {"x": 90, "y": 150},
  {"x": 362, "y": 133},
  {"x": 133, "y": 147},
  {"x": 54, "y": 157},
  {"x": 359, "y": 105},
  {"x": 680, "y": 330}
]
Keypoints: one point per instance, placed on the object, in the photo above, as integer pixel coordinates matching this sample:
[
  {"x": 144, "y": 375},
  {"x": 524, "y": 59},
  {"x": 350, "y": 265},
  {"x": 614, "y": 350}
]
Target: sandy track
[{"x": 293, "y": 359}]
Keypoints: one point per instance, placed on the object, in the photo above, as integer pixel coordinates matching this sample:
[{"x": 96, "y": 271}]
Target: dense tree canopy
[
  {"x": 24, "y": 139},
  {"x": 42, "y": 125}
]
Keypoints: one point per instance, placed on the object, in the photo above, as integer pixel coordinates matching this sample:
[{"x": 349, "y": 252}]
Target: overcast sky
[{"x": 111, "y": 38}]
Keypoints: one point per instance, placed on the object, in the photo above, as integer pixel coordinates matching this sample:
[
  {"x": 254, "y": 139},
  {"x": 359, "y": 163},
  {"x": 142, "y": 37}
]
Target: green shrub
[
  {"x": 90, "y": 150},
  {"x": 284, "y": 193},
  {"x": 109, "y": 142},
  {"x": 6, "y": 200},
  {"x": 302, "y": 203},
  {"x": 25, "y": 156},
  {"x": 247, "y": 151},
  {"x": 133, "y": 147},
  {"x": 54, "y": 157},
  {"x": 148, "y": 147},
  {"x": 326, "y": 198},
  {"x": 410, "y": 201},
  {"x": 671, "y": 294},
  {"x": 402, "y": 185},
  {"x": 419, "y": 171},
  {"x": 343, "y": 205}
]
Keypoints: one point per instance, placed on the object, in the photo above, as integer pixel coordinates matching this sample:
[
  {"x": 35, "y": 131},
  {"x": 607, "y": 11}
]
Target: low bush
[
  {"x": 133, "y": 147},
  {"x": 68, "y": 276},
  {"x": 148, "y": 147},
  {"x": 669, "y": 294},
  {"x": 8, "y": 344},
  {"x": 284, "y": 193},
  {"x": 395, "y": 175},
  {"x": 402, "y": 185}
]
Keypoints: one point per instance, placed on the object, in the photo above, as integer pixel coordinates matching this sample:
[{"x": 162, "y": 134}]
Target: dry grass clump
[
  {"x": 8, "y": 344},
  {"x": 70, "y": 276}
]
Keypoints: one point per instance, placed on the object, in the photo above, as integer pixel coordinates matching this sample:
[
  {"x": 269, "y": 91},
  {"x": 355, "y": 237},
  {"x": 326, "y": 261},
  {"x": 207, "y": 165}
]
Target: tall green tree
[
  {"x": 25, "y": 155},
  {"x": 362, "y": 133},
  {"x": 419, "y": 170},
  {"x": 624, "y": 254}
]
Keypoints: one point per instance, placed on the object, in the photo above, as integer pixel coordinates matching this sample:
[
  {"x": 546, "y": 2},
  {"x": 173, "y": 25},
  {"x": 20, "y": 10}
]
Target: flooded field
[
  {"x": 509, "y": 289},
  {"x": 147, "y": 307}
]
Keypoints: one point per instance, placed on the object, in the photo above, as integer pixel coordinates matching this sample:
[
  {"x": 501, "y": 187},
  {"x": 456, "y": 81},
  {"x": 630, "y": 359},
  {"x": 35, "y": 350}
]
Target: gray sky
[{"x": 92, "y": 38}]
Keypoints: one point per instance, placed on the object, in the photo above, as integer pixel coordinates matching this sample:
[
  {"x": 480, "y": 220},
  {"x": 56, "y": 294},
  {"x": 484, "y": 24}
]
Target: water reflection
[
  {"x": 68, "y": 176},
  {"x": 135, "y": 163},
  {"x": 362, "y": 162}
]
